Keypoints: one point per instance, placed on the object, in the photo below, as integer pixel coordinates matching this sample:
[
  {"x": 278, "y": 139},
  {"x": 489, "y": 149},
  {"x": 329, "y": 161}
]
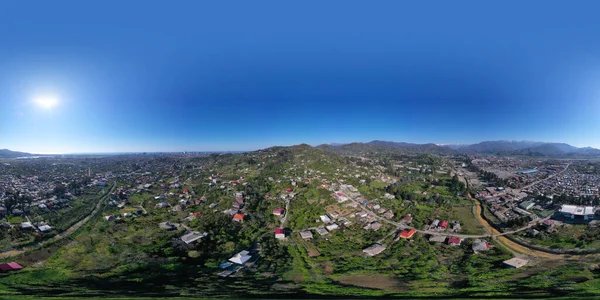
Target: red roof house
[
  {"x": 407, "y": 233},
  {"x": 444, "y": 224},
  {"x": 454, "y": 241},
  {"x": 13, "y": 266},
  {"x": 289, "y": 190},
  {"x": 278, "y": 211},
  {"x": 279, "y": 233}
]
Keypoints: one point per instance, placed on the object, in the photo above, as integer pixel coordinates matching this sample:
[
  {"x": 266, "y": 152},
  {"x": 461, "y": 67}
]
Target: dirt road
[
  {"x": 61, "y": 235},
  {"x": 508, "y": 244}
]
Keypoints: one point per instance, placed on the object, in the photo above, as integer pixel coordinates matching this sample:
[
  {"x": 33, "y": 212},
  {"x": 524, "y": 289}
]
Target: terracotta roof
[
  {"x": 407, "y": 233},
  {"x": 454, "y": 240}
]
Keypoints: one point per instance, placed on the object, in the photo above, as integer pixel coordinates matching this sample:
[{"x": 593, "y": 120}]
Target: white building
[
  {"x": 325, "y": 219},
  {"x": 45, "y": 228},
  {"x": 577, "y": 213},
  {"x": 332, "y": 227},
  {"x": 241, "y": 258}
]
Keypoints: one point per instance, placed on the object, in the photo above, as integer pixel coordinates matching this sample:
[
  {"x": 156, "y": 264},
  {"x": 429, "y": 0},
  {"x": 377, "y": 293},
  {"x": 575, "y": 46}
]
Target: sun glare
[{"x": 46, "y": 102}]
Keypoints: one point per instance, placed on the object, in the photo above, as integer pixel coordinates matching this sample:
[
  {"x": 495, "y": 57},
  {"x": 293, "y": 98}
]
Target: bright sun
[{"x": 46, "y": 101}]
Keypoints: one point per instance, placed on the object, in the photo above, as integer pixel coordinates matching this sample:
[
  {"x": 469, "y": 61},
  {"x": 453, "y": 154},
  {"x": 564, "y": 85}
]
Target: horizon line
[{"x": 312, "y": 145}]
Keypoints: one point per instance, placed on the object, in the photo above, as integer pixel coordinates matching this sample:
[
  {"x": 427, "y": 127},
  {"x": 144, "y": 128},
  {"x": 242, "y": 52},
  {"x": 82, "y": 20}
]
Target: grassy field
[
  {"x": 469, "y": 224},
  {"x": 567, "y": 236}
]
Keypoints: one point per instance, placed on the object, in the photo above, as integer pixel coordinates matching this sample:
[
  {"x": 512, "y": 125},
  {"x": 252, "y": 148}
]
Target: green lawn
[{"x": 469, "y": 224}]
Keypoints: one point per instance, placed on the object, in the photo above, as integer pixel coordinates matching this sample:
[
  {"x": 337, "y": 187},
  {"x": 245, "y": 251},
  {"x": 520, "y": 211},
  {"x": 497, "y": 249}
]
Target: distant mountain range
[
  {"x": 386, "y": 147},
  {"x": 526, "y": 148},
  {"x": 5, "y": 153}
]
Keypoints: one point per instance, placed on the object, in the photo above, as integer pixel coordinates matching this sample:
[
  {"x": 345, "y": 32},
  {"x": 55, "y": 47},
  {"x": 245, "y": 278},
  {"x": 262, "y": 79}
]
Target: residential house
[
  {"x": 278, "y": 211},
  {"x": 480, "y": 245},
  {"x": 239, "y": 217},
  {"x": 444, "y": 224},
  {"x": 193, "y": 236},
  {"x": 241, "y": 257},
  {"x": 322, "y": 231},
  {"x": 548, "y": 223},
  {"x": 374, "y": 249},
  {"x": 345, "y": 221},
  {"x": 12, "y": 266},
  {"x": 407, "y": 219},
  {"x": 167, "y": 226},
  {"x": 407, "y": 233},
  {"x": 45, "y": 228},
  {"x": 279, "y": 233},
  {"x": 454, "y": 241},
  {"x": 325, "y": 219},
  {"x": 332, "y": 227},
  {"x": 306, "y": 234},
  {"x": 531, "y": 232},
  {"x": 456, "y": 227},
  {"x": 437, "y": 238},
  {"x": 373, "y": 226}
]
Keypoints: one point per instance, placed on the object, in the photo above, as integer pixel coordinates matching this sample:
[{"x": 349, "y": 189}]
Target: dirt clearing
[{"x": 375, "y": 281}]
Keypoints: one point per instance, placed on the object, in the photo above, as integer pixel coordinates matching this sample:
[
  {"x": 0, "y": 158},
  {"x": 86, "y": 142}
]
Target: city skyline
[{"x": 206, "y": 77}]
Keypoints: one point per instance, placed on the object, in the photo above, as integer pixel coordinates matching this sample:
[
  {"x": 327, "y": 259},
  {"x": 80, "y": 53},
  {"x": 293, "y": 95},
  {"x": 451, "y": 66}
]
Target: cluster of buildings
[
  {"x": 571, "y": 182},
  {"x": 507, "y": 204},
  {"x": 437, "y": 225}
]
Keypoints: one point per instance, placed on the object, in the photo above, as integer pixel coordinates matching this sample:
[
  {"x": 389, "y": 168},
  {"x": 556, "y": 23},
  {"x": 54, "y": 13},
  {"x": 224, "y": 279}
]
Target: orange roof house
[
  {"x": 239, "y": 217},
  {"x": 407, "y": 233}
]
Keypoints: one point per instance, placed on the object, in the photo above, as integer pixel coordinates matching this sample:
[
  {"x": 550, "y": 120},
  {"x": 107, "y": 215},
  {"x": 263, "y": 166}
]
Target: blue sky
[{"x": 216, "y": 75}]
